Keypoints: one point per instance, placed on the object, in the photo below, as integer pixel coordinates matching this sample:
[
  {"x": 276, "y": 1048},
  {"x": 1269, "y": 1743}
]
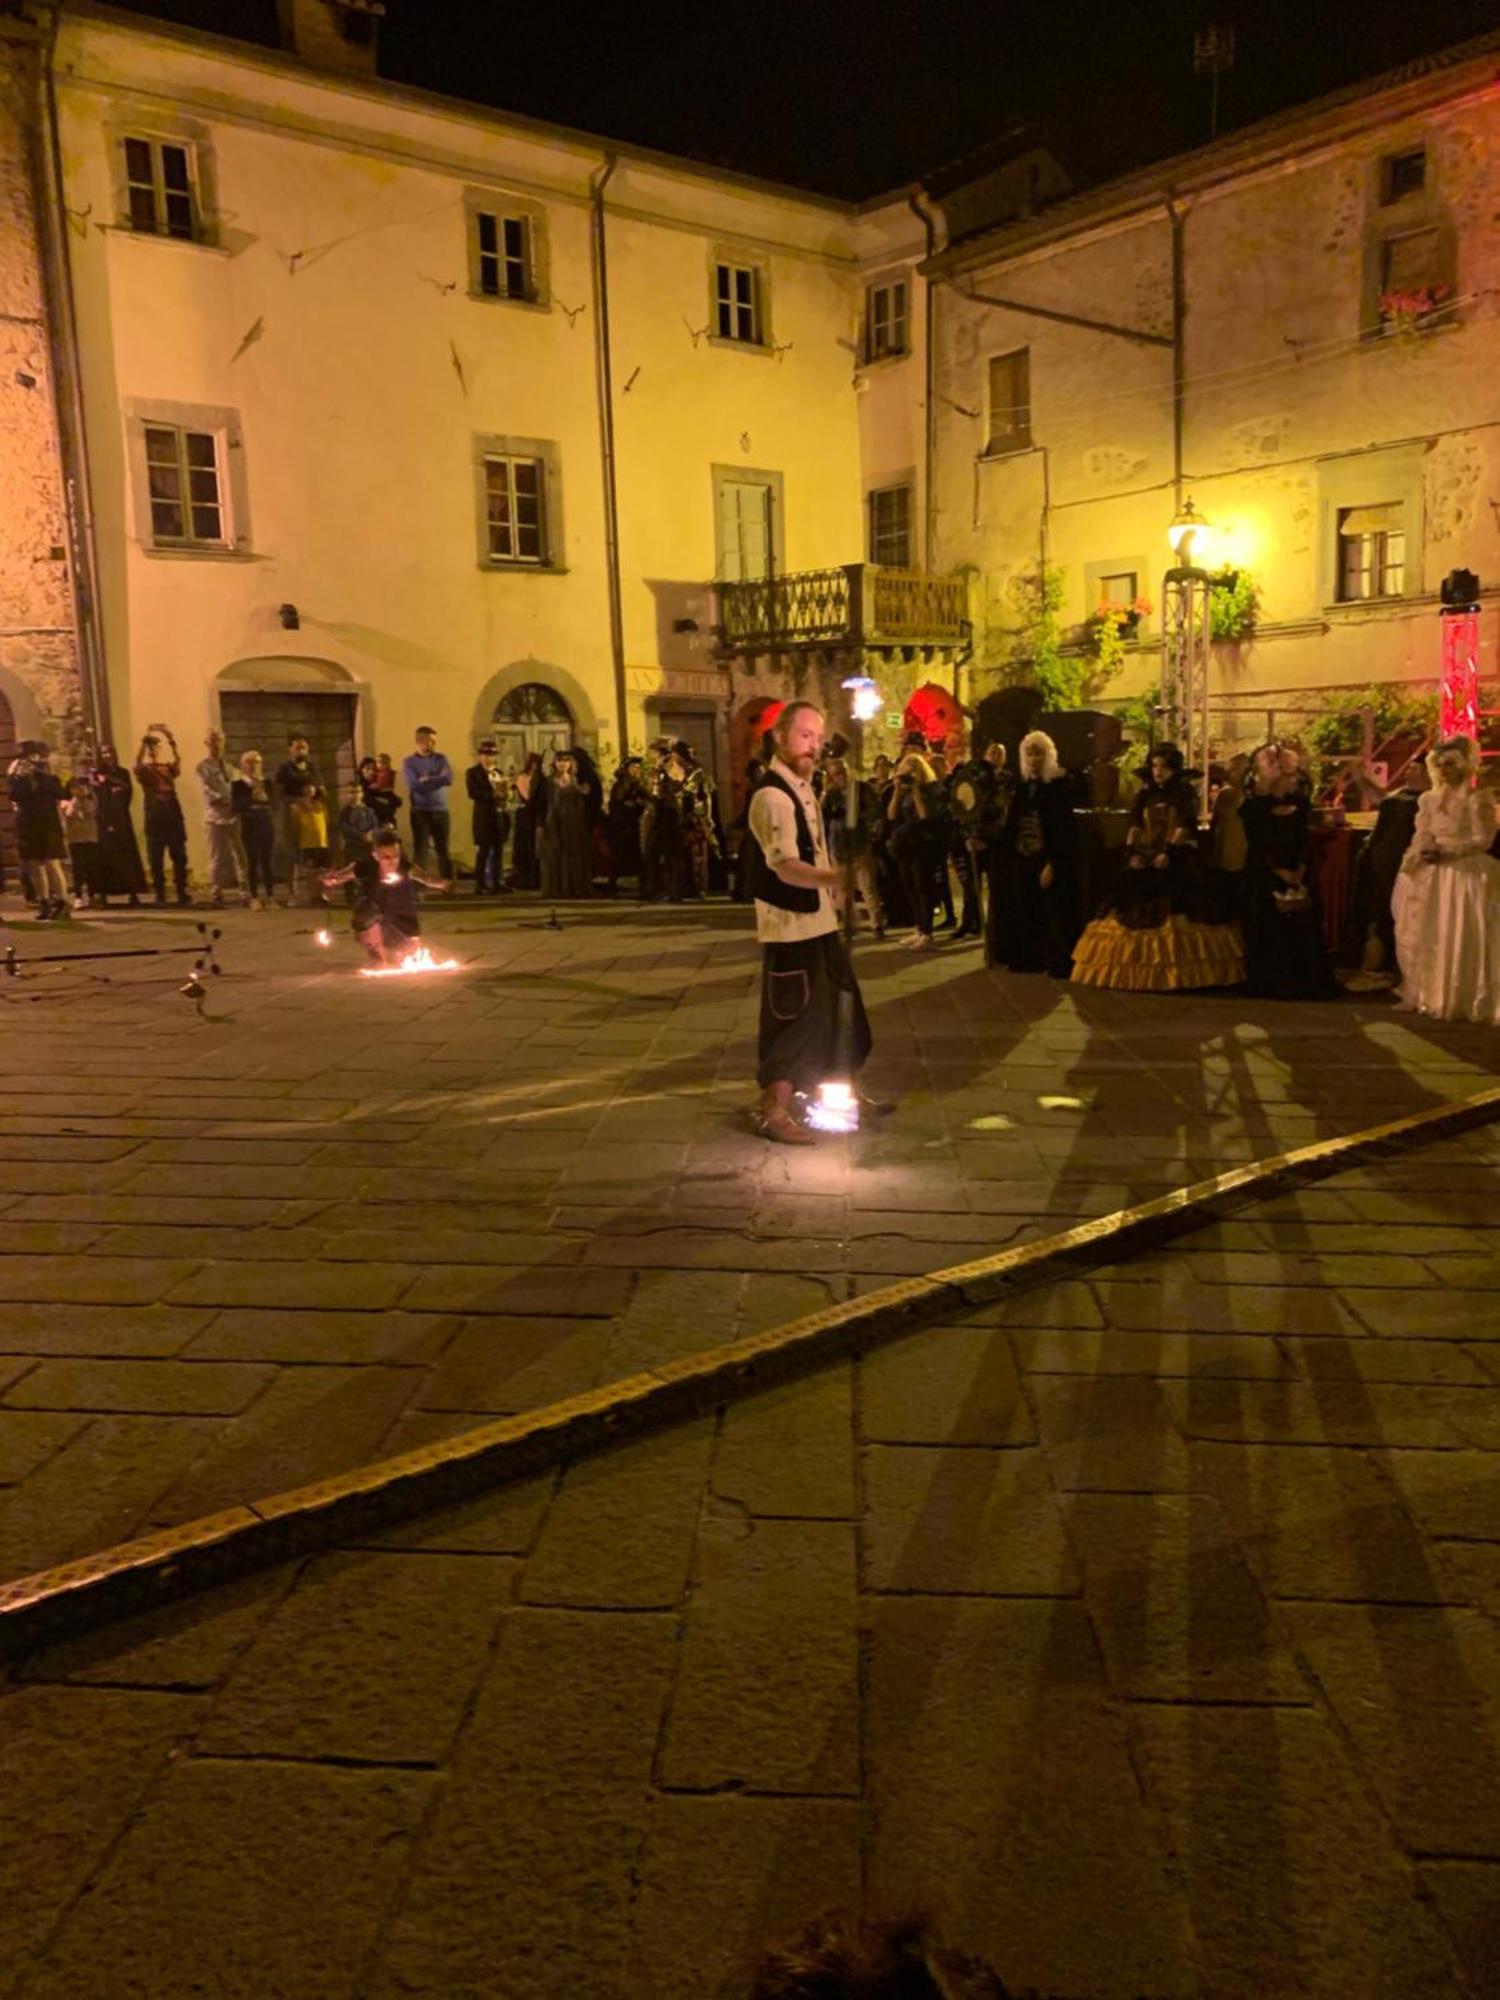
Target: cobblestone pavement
[
  {"x": 1144, "y": 1629},
  {"x": 334, "y": 1217}
]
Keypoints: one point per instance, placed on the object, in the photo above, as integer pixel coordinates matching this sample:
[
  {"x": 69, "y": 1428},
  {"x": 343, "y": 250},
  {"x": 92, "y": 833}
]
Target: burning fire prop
[
  {"x": 420, "y": 960},
  {"x": 834, "y": 1109}
]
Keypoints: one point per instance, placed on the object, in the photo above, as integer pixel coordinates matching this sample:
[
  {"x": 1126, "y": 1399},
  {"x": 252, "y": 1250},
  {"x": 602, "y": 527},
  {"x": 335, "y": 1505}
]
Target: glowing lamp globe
[
  {"x": 1188, "y": 535},
  {"x": 865, "y": 698}
]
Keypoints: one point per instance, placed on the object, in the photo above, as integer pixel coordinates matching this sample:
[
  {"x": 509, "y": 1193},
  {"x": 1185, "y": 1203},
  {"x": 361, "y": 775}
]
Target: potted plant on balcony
[
  {"x": 1109, "y": 629},
  {"x": 1406, "y": 315}
]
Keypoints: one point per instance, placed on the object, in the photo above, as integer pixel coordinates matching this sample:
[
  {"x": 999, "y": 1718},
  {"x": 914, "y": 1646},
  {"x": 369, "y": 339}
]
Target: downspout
[
  {"x": 605, "y": 379},
  {"x": 62, "y": 343},
  {"x": 924, "y": 216},
  {"x": 1179, "y": 356}
]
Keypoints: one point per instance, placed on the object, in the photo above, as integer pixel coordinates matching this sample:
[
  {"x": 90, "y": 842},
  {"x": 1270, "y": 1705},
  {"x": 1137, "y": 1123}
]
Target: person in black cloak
[
  {"x": 1033, "y": 914},
  {"x": 567, "y": 844},
  {"x": 531, "y": 816},
  {"x": 119, "y": 854},
  {"x": 1285, "y": 956},
  {"x": 628, "y": 799}
]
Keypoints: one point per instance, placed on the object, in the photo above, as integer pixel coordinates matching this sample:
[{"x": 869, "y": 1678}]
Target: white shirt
[{"x": 774, "y": 824}]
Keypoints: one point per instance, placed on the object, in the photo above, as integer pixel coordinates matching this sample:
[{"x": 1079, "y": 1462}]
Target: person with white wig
[
  {"x": 1033, "y": 914},
  {"x": 1446, "y": 901}
]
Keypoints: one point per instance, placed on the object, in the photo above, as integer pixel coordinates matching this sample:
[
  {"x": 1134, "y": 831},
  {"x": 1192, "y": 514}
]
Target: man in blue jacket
[{"x": 428, "y": 775}]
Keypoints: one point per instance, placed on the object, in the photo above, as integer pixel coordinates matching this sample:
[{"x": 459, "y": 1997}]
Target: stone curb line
[{"x": 134, "y": 1576}]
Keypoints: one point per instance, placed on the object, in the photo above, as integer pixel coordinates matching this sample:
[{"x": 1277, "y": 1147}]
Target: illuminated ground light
[
  {"x": 420, "y": 960},
  {"x": 992, "y": 1121},
  {"x": 323, "y": 937},
  {"x": 834, "y": 1109}
]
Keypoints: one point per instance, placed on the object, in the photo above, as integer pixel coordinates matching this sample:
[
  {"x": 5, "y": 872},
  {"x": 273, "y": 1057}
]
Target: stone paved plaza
[{"x": 1141, "y": 1629}]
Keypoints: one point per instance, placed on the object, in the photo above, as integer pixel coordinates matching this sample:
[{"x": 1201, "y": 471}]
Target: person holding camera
[
  {"x": 918, "y": 840},
  {"x": 36, "y": 792},
  {"x": 166, "y": 833},
  {"x": 121, "y": 873}
]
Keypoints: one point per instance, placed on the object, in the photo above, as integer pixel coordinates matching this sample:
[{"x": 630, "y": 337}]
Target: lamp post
[
  {"x": 1187, "y": 643},
  {"x": 1458, "y": 691}
]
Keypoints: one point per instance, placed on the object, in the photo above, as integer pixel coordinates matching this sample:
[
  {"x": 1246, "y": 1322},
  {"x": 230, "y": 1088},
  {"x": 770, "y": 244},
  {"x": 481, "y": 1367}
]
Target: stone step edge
[{"x": 134, "y": 1576}]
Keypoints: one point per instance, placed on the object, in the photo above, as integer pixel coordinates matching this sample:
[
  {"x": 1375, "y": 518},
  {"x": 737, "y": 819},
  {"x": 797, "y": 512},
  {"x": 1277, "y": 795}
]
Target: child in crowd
[
  {"x": 387, "y": 910},
  {"x": 307, "y": 821},
  {"x": 80, "y": 811},
  {"x": 358, "y": 824}
]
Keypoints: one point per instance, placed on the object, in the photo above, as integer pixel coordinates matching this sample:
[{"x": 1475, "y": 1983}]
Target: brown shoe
[
  {"x": 777, "y": 1120},
  {"x": 781, "y": 1126}
]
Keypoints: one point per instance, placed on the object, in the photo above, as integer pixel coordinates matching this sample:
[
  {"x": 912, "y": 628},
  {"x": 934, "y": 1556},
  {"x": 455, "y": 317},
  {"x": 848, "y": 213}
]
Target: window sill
[
  {"x": 893, "y": 354},
  {"x": 1351, "y": 607},
  {"x": 505, "y": 299},
  {"x": 498, "y": 566},
  {"x": 199, "y": 555},
  {"x": 993, "y": 453},
  {"x": 201, "y": 243},
  {"x": 740, "y": 346}
]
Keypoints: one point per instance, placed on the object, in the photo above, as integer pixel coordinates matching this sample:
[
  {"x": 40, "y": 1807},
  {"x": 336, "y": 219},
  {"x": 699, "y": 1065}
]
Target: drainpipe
[
  {"x": 605, "y": 379},
  {"x": 62, "y": 343},
  {"x": 925, "y": 217},
  {"x": 1179, "y": 357}
]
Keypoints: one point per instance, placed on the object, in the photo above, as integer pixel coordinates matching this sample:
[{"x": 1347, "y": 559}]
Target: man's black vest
[{"x": 766, "y": 886}]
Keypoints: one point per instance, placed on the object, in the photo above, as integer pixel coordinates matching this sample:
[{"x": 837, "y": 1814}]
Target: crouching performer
[
  {"x": 387, "y": 910},
  {"x": 812, "y": 1019}
]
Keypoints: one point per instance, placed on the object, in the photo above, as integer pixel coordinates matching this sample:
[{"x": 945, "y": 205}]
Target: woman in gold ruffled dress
[{"x": 1157, "y": 930}]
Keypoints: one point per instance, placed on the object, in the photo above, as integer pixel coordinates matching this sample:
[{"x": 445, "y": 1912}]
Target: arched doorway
[
  {"x": 531, "y": 717},
  {"x": 263, "y": 703}
]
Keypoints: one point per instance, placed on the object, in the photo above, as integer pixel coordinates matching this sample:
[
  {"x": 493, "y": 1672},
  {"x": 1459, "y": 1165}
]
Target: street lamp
[
  {"x": 865, "y": 697},
  {"x": 1187, "y": 641}
]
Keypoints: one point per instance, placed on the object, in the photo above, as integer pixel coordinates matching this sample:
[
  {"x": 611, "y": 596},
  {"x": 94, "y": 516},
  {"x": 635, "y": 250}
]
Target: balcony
[{"x": 857, "y": 605}]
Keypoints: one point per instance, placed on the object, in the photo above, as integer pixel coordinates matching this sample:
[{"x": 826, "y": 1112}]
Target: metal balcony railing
[{"x": 859, "y": 604}]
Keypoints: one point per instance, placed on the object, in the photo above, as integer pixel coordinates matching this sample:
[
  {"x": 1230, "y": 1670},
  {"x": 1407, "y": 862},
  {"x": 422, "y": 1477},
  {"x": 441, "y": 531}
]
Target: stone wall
[{"x": 39, "y": 667}]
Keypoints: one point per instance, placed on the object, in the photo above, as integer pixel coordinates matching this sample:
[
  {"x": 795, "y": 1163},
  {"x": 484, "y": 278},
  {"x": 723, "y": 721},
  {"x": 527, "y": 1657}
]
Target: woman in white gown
[{"x": 1447, "y": 897}]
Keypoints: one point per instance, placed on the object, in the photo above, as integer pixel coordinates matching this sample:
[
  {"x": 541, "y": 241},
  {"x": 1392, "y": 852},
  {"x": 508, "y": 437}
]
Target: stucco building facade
[{"x": 1297, "y": 329}]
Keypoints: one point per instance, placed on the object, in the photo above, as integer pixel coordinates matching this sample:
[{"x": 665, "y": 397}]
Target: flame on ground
[
  {"x": 834, "y": 1109},
  {"x": 420, "y": 960}
]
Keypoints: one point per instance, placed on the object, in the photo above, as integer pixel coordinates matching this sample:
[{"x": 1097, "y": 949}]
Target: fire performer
[
  {"x": 387, "y": 911},
  {"x": 813, "y": 1029}
]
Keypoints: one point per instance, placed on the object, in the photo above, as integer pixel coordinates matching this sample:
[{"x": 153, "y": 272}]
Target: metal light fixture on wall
[{"x": 290, "y": 616}]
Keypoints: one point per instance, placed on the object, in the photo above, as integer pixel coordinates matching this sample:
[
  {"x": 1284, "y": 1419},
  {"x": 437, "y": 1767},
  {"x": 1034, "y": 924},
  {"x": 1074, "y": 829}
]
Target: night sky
[{"x": 857, "y": 99}]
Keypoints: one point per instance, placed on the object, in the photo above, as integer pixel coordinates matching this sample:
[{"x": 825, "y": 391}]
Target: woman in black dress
[
  {"x": 1158, "y": 930},
  {"x": 531, "y": 815},
  {"x": 119, "y": 856},
  {"x": 1285, "y": 956},
  {"x": 917, "y": 838},
  {"x": 567, "y": 844},
  {"x": 1033, "y": 915}
]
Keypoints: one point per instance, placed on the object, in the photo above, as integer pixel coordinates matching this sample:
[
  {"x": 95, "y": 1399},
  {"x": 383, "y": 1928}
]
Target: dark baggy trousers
[
  {"x": 812, "y": 1017},
  {"x": 430, "y": 827}
]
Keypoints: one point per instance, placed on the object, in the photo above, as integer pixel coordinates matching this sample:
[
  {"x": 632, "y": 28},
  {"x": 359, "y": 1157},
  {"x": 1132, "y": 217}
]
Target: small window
[
  {"x": 1010, "y": 402},
  {"x": 1411, "y": 262},
  {"x": 737, "y": 303},
  {"x": 185, "y": 488},
  {"x": 159, "y": 188},
  {"x": 1119, "y": 589},
  {"x": 885, "y": 320},
  {"x": 503, "y": 262},
  {"x": 515, "y": 495},
  {"x": 1372, "y": 552},
  {"x": 1402, "y": 174},
  {"x": 890, "y": 527}
]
